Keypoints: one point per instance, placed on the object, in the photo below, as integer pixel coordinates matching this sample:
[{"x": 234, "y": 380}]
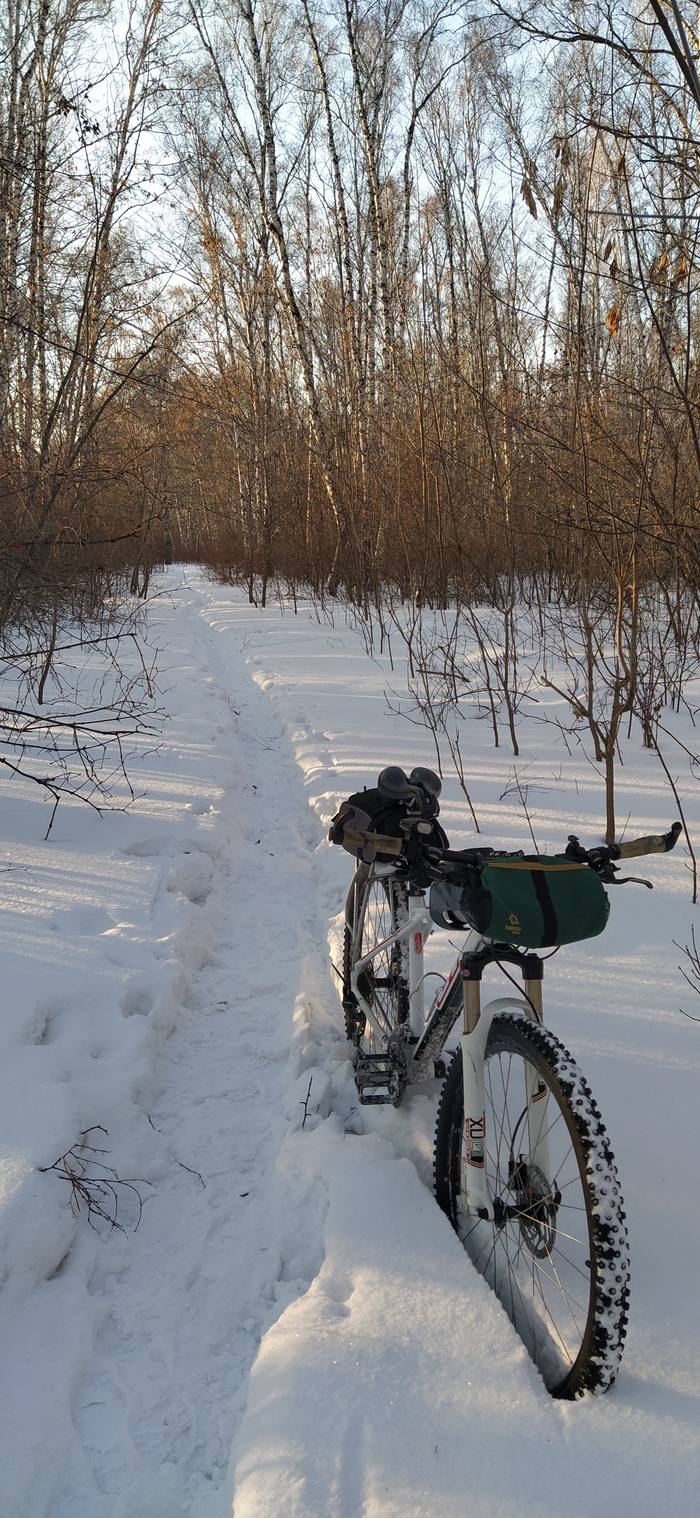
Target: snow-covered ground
[{"x": 293, "y": 1330}]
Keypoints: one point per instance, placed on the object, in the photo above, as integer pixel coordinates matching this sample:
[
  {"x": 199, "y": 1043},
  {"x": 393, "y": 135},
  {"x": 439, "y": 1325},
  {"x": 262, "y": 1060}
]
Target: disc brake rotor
[{"x": 536, "y": 1206}]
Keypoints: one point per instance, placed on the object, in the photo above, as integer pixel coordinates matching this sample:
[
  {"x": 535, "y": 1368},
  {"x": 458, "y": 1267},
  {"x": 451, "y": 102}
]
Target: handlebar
[
  {"x": 602, "y": 859},
  {"x": 380, "y": 842},
  {"x": 655, "y": 843},
  {"x": 422, "y": 857}
]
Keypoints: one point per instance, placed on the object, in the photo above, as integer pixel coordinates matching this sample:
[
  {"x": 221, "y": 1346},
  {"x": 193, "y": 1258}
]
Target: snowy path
[
  {"x": 139, "y": 1343},
  {"x": 181, "y": 1322},
  {"x": 295, "y": 1289}
]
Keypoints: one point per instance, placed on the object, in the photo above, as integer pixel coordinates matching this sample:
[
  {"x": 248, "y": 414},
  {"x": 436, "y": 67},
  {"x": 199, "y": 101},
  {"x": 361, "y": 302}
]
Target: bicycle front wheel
[
  {"x": 556, "y": 1252},
  {"x": 375, "y": 909}
]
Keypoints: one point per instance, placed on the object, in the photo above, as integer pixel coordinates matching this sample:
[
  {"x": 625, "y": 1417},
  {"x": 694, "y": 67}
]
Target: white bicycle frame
[{"x": 476, "y": 1029}]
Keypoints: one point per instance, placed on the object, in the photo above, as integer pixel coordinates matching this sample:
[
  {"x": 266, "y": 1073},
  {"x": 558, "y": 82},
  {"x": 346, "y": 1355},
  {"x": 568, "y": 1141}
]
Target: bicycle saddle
[{"x": 422, "y": 787}]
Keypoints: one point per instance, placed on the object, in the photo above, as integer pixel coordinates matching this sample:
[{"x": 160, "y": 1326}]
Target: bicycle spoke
[{"x": 531, "y": 1259}]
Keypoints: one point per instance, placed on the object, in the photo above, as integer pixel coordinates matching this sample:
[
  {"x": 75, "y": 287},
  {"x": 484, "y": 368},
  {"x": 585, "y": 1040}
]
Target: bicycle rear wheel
[
  {"x": 556, "y": 1253},
  {"x": 375, "y": 909}
]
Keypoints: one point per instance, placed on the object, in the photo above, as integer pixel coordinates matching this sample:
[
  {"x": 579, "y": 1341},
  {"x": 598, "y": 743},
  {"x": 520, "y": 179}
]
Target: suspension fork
[{"x": 477, "y": 1026}]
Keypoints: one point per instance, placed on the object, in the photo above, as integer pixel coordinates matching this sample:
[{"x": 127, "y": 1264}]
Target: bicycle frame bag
[
  {"x": 537, "y": 901},
  {"x": 370, "y": 812}
]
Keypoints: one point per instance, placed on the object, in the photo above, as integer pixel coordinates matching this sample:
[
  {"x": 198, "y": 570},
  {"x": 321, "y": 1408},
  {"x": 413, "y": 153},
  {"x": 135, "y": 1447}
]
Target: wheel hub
[{"x": 535, "y": 1208}]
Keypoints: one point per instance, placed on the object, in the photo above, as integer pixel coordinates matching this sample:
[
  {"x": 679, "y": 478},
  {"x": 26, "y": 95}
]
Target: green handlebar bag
[{"x": 538, "y": 901}]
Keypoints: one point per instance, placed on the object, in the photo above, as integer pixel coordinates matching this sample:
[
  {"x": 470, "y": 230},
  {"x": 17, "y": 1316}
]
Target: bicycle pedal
[{"x": 375, "y": 1078}]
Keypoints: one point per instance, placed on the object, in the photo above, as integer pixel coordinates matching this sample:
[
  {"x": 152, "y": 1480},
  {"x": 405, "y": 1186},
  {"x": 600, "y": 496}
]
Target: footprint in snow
[
  {"x": 137, "y": 1001},
  {"x": 146, "y": 848},
  {"x": 42, "y": 1026},
  {"x": 83, "y": 920},
  {"x": 193, "y": 876}
]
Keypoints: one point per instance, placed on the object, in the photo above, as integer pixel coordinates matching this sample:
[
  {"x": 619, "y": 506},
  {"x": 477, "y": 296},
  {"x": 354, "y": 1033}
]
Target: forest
[
  {"x": 391, "y": 302},
  {"x": 349, "y": 421}
]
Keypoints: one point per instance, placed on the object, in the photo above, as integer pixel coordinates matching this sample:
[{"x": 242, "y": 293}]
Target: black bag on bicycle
[
  {"x": 536, "y": 901},
  {"x": 370, "y": 811}
]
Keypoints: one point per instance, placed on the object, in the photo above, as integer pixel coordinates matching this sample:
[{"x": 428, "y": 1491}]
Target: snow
[{"x": 294, "y": 1329}]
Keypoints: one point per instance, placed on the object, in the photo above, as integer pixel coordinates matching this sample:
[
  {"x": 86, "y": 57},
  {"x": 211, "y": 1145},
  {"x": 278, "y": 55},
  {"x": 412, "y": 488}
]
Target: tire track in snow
[{"x": 183, "y": 1302}]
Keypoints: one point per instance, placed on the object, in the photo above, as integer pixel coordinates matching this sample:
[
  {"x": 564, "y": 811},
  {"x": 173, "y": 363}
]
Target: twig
[
  {"x": 97, "y": 1191},
  {"x": 305, "y": 1103},
  {"x": 181, "y": 1163},
  {"x": 192, "y": 1172},
  {"x": 457, "y": 760},
  {"x": 693, "y": 979},
  {"x": 677, "y": 800},
  {"x": 523, "y": 801}
]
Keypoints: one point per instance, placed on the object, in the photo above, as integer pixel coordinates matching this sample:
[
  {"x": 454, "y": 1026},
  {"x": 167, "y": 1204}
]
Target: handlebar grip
[
  {"x": 377, "y": 841},
  {"x": 655, "y": 843}
]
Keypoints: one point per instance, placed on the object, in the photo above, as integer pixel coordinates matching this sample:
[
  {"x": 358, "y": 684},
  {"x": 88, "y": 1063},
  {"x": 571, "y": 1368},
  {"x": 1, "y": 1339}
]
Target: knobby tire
[
  {"x": 558, "y": 1261},
  {"x": 375, "y": 908}
]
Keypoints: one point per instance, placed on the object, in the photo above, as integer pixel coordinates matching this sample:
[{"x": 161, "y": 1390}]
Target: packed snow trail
[
  {"x": 124, "y": 1364},
  {"x": 292, "y": 1286},
  {"x": 180, "y": 1326}
]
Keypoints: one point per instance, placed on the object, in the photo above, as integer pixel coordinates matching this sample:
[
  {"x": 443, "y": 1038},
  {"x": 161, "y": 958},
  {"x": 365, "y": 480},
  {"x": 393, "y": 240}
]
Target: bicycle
[{"x": 523, "y": 1167}]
